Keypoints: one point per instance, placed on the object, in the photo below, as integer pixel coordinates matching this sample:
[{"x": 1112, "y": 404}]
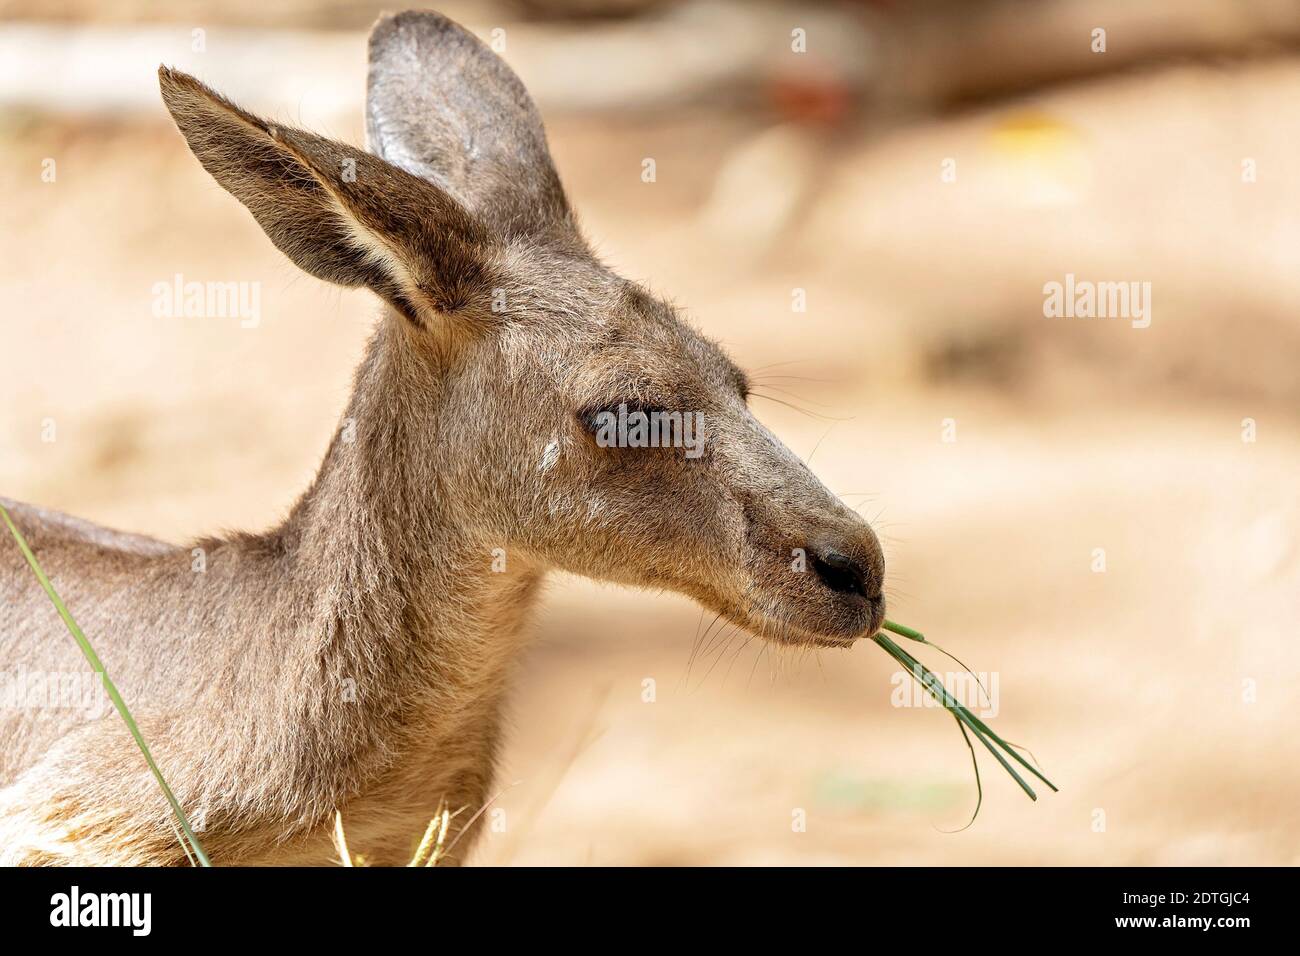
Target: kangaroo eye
[{"x": 594, "y": 417}]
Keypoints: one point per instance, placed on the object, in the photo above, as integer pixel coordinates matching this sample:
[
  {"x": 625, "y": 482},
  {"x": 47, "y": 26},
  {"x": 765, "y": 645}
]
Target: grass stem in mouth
[
  {"x": 912, "y": 635},
  {"x": 907, "y": 632},
  {"x": 966, "y": 720}
]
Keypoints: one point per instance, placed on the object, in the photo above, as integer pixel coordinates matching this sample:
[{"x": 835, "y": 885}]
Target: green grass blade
[
  {"x": 964, "y": 716},
  {"x": 936, "y": 689},
  {"x": 906, "y": 632},
  {"x": 1011, "y": 749},
  {"x": 920, "y": 638},
  {"x": 184, "y": 846},
  {"x": 98, "y": 666},
  {"x": 979, "y": 786}
]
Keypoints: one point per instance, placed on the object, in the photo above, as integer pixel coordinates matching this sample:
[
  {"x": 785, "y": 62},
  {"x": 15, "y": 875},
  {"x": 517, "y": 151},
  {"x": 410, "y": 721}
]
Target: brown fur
[{"x": 357, "y": 656}]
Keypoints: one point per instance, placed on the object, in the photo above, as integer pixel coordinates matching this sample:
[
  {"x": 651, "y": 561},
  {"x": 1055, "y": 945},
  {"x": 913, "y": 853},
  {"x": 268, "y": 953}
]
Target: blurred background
[{"x": 863, "y": 202}]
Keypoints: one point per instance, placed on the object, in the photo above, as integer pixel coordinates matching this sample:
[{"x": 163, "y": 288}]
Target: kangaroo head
[{"x": 575, "y": 419}]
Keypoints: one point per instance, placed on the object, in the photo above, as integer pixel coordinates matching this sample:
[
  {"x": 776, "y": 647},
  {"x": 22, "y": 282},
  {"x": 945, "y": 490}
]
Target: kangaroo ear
[
  {"x": 444, "y": 107},
  {"x": 338, "y": 212}
]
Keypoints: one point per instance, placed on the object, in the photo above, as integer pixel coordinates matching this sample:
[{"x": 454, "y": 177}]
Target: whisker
[
  {"x": 731, "y": 637},
  {"x": 695, "y": 647},
  {"x": 763, "y": 368},
  {"x": 793, "y": 378},
  {"x": 808, "y": 460},
  {"x": 744, "y": 644},
  {"x": 789, "y": 394},
  {"x": 802, "y": 411}
]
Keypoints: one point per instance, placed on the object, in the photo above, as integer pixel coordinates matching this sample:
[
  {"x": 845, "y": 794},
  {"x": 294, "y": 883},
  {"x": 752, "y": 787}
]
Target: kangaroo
[{"x": 356, "y": 657}]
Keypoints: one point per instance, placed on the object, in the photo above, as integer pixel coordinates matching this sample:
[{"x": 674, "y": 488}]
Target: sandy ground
[{"x": 1156, "y": 693}]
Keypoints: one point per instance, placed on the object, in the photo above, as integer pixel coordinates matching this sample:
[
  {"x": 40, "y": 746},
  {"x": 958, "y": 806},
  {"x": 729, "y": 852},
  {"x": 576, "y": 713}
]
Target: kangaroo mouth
[
  {"x": 833, "y": 602},
  {"x": 842, "y": 629},
  {"x": 799, "y": 610},
  {"x": 796, "y": 624}
]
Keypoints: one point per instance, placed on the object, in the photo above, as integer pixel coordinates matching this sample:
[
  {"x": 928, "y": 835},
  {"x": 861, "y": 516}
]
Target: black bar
[{"x": 948, "y": 907}]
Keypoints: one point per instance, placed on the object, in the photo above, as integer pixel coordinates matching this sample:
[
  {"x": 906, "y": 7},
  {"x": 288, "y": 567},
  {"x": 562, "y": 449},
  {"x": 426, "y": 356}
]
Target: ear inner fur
[{"x": 381, "y": 227}]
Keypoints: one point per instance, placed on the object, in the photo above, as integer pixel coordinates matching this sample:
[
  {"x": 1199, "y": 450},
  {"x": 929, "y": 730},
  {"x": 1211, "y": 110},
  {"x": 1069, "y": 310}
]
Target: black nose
[{"x": 841, "y": 573}]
